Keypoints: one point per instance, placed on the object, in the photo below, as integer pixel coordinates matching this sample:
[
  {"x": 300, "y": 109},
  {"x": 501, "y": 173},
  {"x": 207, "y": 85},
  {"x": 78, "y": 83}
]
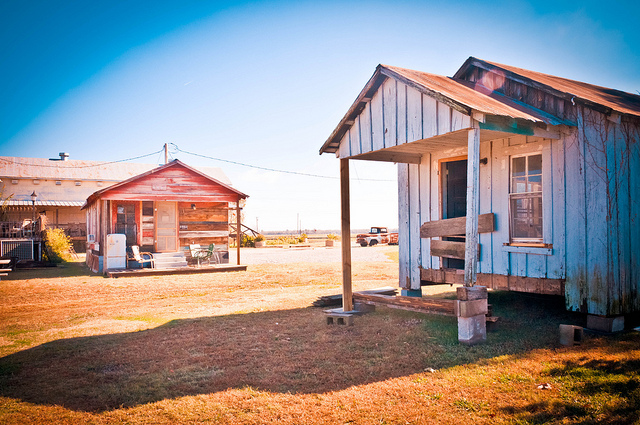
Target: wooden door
[{"x": 166, "y": 227}]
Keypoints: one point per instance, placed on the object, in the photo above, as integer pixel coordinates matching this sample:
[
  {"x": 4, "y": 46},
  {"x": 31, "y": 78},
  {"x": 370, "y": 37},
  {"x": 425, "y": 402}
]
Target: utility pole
[{"x": 166, "y": 153}]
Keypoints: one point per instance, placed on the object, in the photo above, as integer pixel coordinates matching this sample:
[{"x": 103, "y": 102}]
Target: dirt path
[{"x": 313, "y": 255}]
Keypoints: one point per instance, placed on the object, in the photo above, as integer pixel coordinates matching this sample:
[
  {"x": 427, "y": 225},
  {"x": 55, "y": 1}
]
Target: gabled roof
[
  {"x": 175, "y": 163},
  {"x": 467, "y": 97},
  {"x": 616, "y": 100}
]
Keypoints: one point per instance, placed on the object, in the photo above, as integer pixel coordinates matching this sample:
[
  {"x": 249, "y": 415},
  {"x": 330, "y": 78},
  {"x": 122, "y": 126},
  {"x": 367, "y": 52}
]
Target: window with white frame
[{"x": 525, "y": 198}]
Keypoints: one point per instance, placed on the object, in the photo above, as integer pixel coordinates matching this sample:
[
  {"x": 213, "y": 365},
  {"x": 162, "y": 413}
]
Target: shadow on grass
[
  {"x": 278, "y": 351},
  {"x": 607, "y": 392},
  {"x": 69, "y": 269}
]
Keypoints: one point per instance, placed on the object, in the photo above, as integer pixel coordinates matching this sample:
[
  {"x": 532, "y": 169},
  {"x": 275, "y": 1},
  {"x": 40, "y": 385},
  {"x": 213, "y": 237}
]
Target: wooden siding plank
[
  {"x": 425, "y": 208},
  {"x": 575, "y": 218},
  {"x": 459, "y": 121},
  {"x": 377, "y": 121},
  {"x": 500, "y": 205},
  {"x": 404, "y": 236},
  {"x": 612, "y": 282},
  {"x": 456, "y": 226},
  {"x": 486, "y": 239},
  {"x": 596, "y": 211},
  {"x": 444, "y": 118},
  {"x": 402, "y": 114},
  {"x": 344, "y": 151},
  {"x": 354, "y": 137},
  {"x": 366, "y": 143},
  {"x": 429, "y": 117},
  {"x": 414, "y": 115},
  {"x": 414, "y": 223},
  {"x": 622, "y": 156},
  {"x": 556, "y": 262},
  {"x": 633, "y": 139},
  {"x": 390, "y": 112}
]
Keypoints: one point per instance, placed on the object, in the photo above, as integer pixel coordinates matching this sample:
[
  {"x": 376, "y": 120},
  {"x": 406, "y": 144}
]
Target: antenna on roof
[{"x": 166, "y": 153}]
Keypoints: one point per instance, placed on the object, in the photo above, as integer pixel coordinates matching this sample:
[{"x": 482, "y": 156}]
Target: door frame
[
  {"x": 444, "y": 262},
  {"x": 177, "y": 225}
]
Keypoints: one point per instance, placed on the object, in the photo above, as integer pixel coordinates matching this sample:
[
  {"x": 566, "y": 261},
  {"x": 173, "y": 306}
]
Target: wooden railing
[
  {"x": 453, "y": 227},
  {"x": 22, "y": 229}
]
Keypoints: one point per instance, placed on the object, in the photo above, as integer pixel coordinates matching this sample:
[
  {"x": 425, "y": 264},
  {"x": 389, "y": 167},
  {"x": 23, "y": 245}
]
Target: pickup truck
[{"x": 377, "y": 235}]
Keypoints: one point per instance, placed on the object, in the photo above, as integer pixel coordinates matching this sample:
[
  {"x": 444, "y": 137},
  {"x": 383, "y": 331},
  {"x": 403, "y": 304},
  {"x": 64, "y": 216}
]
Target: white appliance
[{"x": 115, "y": 255}]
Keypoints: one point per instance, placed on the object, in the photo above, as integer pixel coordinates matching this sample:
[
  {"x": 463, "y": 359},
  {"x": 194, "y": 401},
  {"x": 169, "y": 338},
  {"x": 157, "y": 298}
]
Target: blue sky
[{"x": 265, "y": 83}]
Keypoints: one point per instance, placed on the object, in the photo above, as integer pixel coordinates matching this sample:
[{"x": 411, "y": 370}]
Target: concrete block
[
  {"x": 411, "y": 293},
  {"x": 605, "y": 324},
  {"x": 471, "y": 308},
  {"x": 469, "y": 293},
  {"x": 344, "y": 319},
  {"x": 571, "y": 335},
  {"x": 472, "y": 330}
]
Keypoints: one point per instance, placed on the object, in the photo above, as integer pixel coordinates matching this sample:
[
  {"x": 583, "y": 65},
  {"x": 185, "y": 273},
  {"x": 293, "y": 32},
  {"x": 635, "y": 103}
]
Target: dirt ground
[{"x": 247, "y": 347}]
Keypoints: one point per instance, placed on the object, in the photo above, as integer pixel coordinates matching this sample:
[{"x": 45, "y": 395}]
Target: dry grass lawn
[{"x": 247, "y": 348}]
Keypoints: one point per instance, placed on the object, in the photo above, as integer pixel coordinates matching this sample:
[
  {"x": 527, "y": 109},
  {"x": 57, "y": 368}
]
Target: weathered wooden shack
[
  {"x": 163, "y": 210},
  {"x": 527, "y": 181}
]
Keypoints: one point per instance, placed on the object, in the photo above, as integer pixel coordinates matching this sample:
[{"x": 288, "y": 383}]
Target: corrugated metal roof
[
  {"x": 619, "y": 101},
  {"x": 466, "y": 97},
  {"x": 73, "y": 169},
  {"x": 18, "y": 203},
  {"x": 454, "y": 93}
]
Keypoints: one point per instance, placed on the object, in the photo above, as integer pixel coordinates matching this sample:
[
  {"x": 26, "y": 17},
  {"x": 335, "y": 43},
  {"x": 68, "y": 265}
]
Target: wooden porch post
[
  {"x": 238, "y": 229},
  {"x": 473, "y": 203},
  {"x": 347, "y": 294}
]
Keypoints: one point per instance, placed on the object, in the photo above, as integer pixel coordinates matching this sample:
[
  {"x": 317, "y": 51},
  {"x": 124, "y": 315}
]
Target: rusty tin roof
[{"x": 467, "y": 97}]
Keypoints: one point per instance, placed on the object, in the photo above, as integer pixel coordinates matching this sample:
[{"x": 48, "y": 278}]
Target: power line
[
  {"x": 100, "y": 164},
  {"x": 270, "y": 169}
]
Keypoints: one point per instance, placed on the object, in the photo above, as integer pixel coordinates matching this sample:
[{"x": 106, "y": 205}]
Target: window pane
[
  {"x": 535, "y": 164},
  {"x": 519, "y": 185},
  {"x": 519, "y": 166},
  {"x": 535, "y": 183},
  {"x": 526, "y": 217}
]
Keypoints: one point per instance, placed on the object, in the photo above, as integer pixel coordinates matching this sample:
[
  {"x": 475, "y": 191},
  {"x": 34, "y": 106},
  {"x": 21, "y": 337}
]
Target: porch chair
[
  {"x": 139, "y": 256},
  {"x": 201, "y": 254}
]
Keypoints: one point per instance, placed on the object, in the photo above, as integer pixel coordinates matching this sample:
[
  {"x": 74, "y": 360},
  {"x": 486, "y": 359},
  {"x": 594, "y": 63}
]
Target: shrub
[
  {"x": 332, "y": 237},
  {"x": 57, "y": 246},
  {"x": 248, "y": 241},
  {"x": 259, "y": 238},
  {"x": 302, "y": 238}
]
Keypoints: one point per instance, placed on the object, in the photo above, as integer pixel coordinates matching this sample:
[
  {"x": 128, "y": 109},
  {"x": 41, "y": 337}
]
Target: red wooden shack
[{"x": 163, "y": 210}]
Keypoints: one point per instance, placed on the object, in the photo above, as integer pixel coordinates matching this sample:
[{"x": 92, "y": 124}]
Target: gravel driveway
[{"x": 311, "y": 255}]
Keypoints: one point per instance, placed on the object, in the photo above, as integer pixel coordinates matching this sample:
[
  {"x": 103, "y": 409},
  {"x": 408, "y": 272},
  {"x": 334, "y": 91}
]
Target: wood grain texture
[
  {"x": 347, "y": 291},
  {"x": 456, "y": 226}
]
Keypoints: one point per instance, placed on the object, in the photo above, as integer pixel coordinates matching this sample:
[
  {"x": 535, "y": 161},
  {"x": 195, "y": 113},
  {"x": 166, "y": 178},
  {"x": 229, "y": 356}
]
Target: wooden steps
[{"x": 169, "y": 260}]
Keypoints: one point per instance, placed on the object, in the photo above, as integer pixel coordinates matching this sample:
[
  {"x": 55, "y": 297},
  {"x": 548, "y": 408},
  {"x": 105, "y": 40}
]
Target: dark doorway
[
  {"x": 126, "y": 222},
  {"x": 454, "y": 198}
]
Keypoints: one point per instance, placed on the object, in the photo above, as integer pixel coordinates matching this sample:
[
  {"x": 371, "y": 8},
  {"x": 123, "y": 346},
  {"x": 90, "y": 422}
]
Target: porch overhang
[{"x": 491, "y": 129}]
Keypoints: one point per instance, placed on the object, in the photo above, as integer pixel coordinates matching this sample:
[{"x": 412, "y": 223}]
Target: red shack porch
[{"x": 163, "y": 212}]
